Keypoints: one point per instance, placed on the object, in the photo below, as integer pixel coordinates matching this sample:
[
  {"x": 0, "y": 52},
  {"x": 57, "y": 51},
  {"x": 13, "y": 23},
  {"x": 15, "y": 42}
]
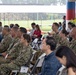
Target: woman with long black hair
[{"x": 67, "y": 58}]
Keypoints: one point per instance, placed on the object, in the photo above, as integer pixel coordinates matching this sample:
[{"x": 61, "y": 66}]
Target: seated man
[
  {"x": 21, "y": 60},
  {"x": 13, "y": 52},
  {"x": 72, "y": 44},
  {"x": 7, "y": 39},
  {"x": 50, "y": 64},
  {"x": 15, "y": 39}
]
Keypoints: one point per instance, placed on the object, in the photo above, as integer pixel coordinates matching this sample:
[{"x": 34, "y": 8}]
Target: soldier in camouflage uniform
[
  {"x": 64, "y": 41},
  {"x": 13, "y": 52},
  {"x": 56, "y": 36},
  {"x": 21, "y": 60},
  {"x": 61, "y": 41},
  {"x": 60, "y": 37},
  {"x": 55, "y": 31},
  {"x": 15, "y": 39},
  {"x": 16, "y": 33},
  {"x": 55, "y": 27},
  {"x": 73, "y": 45},
  {"x": 7, "y": 39},
  {"x": 73, "y": 42}
]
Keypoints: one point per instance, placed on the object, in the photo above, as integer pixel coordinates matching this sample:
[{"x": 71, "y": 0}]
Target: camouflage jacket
[
  {"x": 57, "y": 38},
  {"x": 15, "y": 50},
  {"x": 23, "y": 57},
  {"x": 60, "y": 41},
  {"x": 14, "y": 41},
  {"x": 72, "y": 45},
  {"x": 64, "y": 42},
  {"x": 5, "y": 43}
]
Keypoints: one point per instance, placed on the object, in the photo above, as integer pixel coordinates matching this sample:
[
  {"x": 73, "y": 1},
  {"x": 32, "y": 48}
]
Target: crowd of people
[{"x": 59, "y": 46}]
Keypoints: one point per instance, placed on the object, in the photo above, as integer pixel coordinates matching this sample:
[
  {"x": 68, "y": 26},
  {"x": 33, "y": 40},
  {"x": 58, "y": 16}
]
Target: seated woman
[
  {"x": 37, "y": 32},
  {"x": 67, "y": 58}
]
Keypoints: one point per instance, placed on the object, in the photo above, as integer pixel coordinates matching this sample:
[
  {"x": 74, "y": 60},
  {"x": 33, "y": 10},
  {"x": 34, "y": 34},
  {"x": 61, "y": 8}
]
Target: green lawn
[{"x": 45, "y": 25}]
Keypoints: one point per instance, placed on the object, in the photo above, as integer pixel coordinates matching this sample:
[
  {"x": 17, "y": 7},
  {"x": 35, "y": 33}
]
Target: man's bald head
[{"x": 73, "y": 33}]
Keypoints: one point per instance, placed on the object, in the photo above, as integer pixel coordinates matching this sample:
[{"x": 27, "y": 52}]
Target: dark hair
[
  {"x": 27, "y": 37},
  {"x": 60, "y": 23},
  {"x": 64, "y": 17},
  {"x": 37, "y": 26},
  {"x": 70, "y": 56},
  {"x": 71, "y": 24},
  {"x": 51, "y": 42},
  {"x": 11, "y": 25},
  {"x": 23, "y": 30},
  {"x": 33, "y": 24},
  {"x": 56, "y": 24},
  {"x": 17, "y": 25},
  {"x": 65, "y": 32},
  {"x": 0, "y": 23},
  {"x": 6, "y": 27}
]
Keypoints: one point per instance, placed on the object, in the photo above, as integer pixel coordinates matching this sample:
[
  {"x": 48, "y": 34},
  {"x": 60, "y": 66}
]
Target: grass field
[{"x": 45, "y": 25}]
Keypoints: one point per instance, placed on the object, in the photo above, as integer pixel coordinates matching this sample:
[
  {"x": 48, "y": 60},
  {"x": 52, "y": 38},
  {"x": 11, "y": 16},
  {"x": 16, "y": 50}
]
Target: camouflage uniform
[
  {"x": 21, "y": 60},
  {"x": 72, "y": 45},
  {"x": 14, "y": 41},
  {"x": 4, "y": 45},
  {"x": 61, "y": 42},
  {"x": 15, "y": 45},
  {"x": 57, "y": 39},
  {"x": 13, "y": 53},
  {"x": 64, "y": 42}
]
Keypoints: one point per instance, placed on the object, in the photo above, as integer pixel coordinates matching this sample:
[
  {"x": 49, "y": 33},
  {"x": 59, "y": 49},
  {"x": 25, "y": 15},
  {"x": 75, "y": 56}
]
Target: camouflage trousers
[
  {"x": 3, "y": 60},
  {"x": 5, "y": 69}
]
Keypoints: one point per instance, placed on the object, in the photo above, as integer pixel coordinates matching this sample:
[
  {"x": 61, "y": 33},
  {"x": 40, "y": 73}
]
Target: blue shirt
[{"x": 50, "y": 65}]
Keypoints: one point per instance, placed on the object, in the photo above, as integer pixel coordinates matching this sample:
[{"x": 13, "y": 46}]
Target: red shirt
[{"x": 37, "y": 32}]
